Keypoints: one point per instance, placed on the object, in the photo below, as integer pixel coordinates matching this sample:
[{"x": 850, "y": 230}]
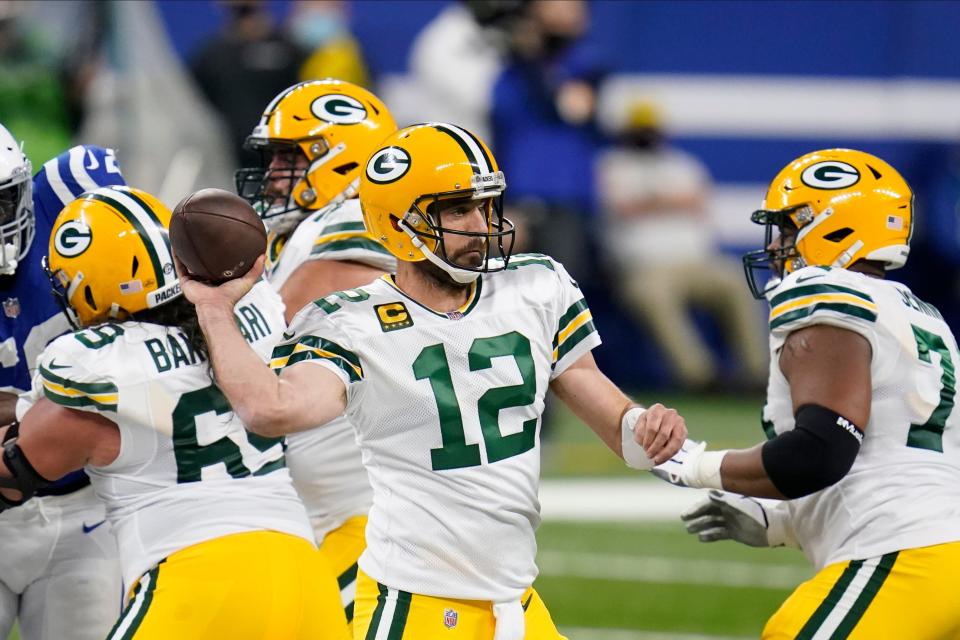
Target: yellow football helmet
[
  {"x": 334, "y": 125},
  {"x": 109, "y": 256},
  {"x": 422, "y": 165},
  {"x": 845, "y": 205}
]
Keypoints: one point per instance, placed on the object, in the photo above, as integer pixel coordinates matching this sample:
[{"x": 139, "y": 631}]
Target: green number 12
[{"x": 455, "y": 453}]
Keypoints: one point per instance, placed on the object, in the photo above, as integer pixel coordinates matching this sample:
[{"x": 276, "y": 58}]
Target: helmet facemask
[
  {"x": 778, "y": 261},
  {"x": 17, "y": 223},
  {"x": 62, "y": 289},
  {"x": 263, "y": 187},
  {"x": 422, "y": 223}
]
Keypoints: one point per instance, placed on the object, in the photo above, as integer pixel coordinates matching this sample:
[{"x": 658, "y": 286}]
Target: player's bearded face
[
  {"x": 468, "y": 215},
  {"x": 286, "y": 167}
]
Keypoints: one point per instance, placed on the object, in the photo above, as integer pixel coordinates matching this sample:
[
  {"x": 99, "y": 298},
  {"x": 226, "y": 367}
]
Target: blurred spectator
[
  {"x": 142, "y": 101},
  {"x": 244, "y": 67},
  {"x": 320, "y": 27},
  {"x": 456, "y": 59},
  {"x": 544, "y": 133},
  {"x": 661, "y": 248},
  {"x": 44, "y": 71}
]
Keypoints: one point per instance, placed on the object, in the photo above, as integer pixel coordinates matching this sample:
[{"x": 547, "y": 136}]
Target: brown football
[{"x": 216, "y": 235}]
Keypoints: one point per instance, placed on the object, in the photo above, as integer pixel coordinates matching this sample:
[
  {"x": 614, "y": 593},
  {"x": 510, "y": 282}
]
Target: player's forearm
[
  {"x": 742, "y": 472},
  {"x": 593, "y": 398},
  {"x": 8, "y": 406},
  {"x": 254, "y": 391}
]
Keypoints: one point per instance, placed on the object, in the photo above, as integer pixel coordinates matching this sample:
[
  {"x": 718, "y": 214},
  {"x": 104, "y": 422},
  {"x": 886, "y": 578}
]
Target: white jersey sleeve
[
  {"x": 336, "y": 232},
  {"x": 65, "y": 378},
  {"x": 576, "y": 333},
  {"x": 313, "y": 337},
  {"x": 820, "y": 295}
]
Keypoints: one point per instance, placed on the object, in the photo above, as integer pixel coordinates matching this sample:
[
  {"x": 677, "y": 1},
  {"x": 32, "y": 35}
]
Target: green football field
[{"x": 647, "y": 579}]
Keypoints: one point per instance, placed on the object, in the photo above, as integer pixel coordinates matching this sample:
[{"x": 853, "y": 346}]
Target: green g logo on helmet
[
  {"x": 388, "y": 165},
  {"x": 338, "y": 109},
  {"x": 831, "y": 174},
  {"x": 72, "y": 239}
]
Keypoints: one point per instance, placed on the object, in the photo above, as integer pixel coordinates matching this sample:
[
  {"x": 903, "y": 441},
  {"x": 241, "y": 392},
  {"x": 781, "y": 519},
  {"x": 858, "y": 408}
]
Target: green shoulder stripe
[
  {"x": 76, "y": 402},
  {"x": 69, "y": 393},
  {"x": 803, "y": 312},
  {"x": 317, "y": 348},
  {"x": 92, "y": 388},
  {"x": 574, "y": 339},
  {"x": 815, "y": 289},
  {"x": 516, "y": 264},
  {"x": 343, "y": 226},
  {"x": 348, "y": 245},
  {"x": 575, "y": 309}
]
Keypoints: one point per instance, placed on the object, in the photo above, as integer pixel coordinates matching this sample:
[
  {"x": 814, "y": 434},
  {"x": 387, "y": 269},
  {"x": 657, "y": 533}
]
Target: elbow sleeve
[{"x": 815, "y": 455}]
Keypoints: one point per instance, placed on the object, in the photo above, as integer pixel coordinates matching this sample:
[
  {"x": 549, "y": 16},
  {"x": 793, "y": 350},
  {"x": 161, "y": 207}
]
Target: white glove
[
  {"x": 692, "y": 466},
  {"x": 633, "y": 453},
  {"x": 730, "y": 516}
]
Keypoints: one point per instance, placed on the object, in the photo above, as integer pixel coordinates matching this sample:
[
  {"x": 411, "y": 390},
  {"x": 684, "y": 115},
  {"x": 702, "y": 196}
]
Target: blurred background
[{"x": 637, "y": 138}]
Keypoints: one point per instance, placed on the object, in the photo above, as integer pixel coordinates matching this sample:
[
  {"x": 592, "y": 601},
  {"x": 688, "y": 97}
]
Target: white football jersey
[
  {"x": 447, "y": 410},
  {"x": 903, "y": 490},
  {"x": 188, "y": 471},
  {"x": 335, "y": 232},
  {"x": 325, "y": 463}
]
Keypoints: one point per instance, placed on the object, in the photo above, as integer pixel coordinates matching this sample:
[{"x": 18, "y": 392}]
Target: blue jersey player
[{"x": 59, "y": 573}]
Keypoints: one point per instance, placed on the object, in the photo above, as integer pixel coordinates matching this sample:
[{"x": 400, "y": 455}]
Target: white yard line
[
  {"x": 629, "y": 499},
  {"x": 584, "y": 633},
  {"x": 631, "y": 568}
]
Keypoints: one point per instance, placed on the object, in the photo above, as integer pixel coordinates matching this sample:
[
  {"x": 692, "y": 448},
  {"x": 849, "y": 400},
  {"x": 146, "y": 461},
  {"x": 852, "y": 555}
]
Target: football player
[
  {"x": 863, "y": 440},
  {"x": 212, "y": 536},
  {"x": 314, "y": 138},
  {"x": 442, "y": 370},
  {"x": 60, "y": 575}
]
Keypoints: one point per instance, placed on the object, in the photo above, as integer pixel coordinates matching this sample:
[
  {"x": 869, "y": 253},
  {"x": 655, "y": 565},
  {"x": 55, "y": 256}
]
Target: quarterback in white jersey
[
  {"x": 442, "y": 370},
  {"x": 199, "y": 506},
  {"x": 314, "y": 138},
  {"x": 862, "y": 436}
]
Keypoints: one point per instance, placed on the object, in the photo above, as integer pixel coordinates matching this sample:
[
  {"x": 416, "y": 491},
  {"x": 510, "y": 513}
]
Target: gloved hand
[
  {"x": 729, "y": 516},
  {"x": 685, "y": 468}
]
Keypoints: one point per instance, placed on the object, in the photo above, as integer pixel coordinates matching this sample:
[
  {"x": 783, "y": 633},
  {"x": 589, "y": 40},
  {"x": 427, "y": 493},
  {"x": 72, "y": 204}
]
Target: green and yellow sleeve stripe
[
  {"x": 316, "y": 348},
  {"x": 575, "y": 325},
  {"x": 69, "y": 393},
  {"x": 524, "y": 259},
  {"x": 803, "y": 301},
  {"x": 346, "y": 236}
]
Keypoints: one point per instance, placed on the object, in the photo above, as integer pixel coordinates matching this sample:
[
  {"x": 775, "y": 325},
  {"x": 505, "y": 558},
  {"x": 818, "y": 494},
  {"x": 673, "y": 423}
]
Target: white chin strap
[
  {"x": 460, "y": 276},
  {"x": 9, "y": 264}
]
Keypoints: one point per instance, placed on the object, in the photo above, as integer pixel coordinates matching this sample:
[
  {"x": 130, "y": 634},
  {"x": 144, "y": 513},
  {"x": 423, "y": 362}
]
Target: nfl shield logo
[
  {"x": 11, "y": 307},
  {"x": 449, "y": 618}
]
